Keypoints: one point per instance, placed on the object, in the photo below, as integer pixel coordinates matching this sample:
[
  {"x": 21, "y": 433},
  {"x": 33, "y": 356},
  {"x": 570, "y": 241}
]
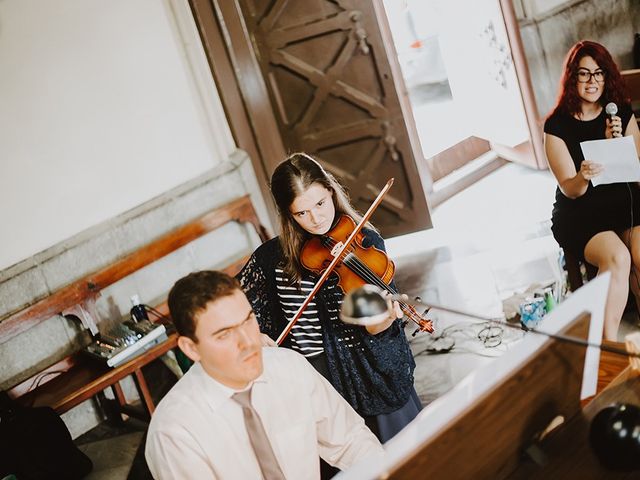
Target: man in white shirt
[{"x": 200, "y": 430}]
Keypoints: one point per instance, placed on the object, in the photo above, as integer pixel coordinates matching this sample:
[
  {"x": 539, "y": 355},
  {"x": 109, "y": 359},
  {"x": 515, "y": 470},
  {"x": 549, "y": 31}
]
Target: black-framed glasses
[{"x": 584, "y": 76}]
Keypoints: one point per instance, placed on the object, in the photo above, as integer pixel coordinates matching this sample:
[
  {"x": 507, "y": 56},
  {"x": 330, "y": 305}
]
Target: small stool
[
  {"x": 576, "y": 277},
  {"x": 573, "y": 266}
]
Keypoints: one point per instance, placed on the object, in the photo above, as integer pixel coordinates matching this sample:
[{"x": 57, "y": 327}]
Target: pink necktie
[{"x": 258, "y": 437}]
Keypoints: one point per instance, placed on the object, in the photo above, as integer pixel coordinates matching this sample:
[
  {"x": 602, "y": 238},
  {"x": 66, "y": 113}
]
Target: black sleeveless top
[{"x": 613, "y": 207}]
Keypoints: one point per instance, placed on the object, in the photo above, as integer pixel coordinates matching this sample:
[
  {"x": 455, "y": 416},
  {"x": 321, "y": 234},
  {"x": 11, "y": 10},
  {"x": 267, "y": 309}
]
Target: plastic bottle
[
  {"x": 138, "y": 312},
  {"x": 549, "y": 300}
]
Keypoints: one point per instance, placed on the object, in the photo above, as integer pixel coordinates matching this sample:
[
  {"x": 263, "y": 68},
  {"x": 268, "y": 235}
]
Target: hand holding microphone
[{"x": 614, "y": 123}]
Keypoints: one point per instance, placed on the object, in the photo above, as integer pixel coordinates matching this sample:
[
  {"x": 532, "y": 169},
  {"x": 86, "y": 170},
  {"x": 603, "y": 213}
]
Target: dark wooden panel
[
  {"x": 487, "y": 441},
  {"x": 567, "y": 450},
  {"x": 632, "y": 81},
  {"x": 331, "y": 84},
  {"x": 223, "y": 62}
]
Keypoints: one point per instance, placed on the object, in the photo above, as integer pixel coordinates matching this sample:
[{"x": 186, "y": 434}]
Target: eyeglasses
[{"x": 584, "y": 76}]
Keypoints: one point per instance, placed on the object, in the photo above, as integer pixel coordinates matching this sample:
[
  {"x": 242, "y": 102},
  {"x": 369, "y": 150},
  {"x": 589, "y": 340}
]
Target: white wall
[{"x": 101, "y": 110}]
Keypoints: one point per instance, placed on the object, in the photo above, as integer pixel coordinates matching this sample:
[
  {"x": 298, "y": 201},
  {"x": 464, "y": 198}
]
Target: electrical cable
[
  {"x": 158, "y": 314},
  {"x": 631, "y": 227},
  {"x": 489, "y": 334},
  {"x": 38, "y": 380}
]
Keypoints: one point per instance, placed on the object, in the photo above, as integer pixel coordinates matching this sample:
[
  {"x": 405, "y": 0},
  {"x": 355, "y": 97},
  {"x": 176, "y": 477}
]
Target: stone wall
[
  {"x": 550, "y": 27},
  {"x": 42, "y": 274}
]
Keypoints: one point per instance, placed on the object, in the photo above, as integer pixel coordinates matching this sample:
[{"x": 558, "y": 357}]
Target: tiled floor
[
  {"x": 112, "y": 457},
  {"x": 488, "y": 242}
]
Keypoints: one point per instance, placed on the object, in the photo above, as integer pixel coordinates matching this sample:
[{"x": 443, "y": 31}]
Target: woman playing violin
[{"x": 371, "y": 367}]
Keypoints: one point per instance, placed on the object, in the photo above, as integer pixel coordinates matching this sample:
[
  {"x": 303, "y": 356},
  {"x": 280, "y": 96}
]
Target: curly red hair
[{"x": 569, "y": 101}]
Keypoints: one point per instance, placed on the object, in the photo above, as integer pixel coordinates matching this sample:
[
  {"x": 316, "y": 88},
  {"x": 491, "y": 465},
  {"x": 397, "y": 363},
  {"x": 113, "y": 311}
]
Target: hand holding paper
[
  {"x": 589, "y": 169},
  {"x": 618, "y": 156}
]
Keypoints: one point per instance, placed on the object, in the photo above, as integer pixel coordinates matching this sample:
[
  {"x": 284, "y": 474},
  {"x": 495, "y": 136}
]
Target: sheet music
[{"x": 618, "y": 156}]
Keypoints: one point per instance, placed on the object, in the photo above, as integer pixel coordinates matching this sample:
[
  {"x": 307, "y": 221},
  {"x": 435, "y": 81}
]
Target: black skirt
[{"x": 614, "y": 207}]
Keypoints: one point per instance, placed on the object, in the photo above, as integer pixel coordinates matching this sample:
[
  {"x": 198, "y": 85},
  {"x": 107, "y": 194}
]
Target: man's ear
[{"x": 189, "y": 348}]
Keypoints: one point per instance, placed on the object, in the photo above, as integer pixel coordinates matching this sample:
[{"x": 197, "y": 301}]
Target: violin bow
[{"x": 336, "y": 259}]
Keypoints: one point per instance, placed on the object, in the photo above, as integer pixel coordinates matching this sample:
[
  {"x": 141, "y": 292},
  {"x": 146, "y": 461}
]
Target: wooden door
[{"x": 332, "y": 80}]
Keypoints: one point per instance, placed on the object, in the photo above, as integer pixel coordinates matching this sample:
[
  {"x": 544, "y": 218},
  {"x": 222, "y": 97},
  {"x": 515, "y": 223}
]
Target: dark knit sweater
[{"x": 375, "y": 375}]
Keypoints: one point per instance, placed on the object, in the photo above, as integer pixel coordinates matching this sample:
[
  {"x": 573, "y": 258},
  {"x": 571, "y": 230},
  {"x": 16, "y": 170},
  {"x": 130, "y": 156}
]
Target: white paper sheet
[{"x": 618, "y": 156}]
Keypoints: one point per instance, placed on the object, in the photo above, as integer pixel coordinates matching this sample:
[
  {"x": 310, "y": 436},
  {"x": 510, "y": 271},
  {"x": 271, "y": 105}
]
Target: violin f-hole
[{"x": 336, "y": 249}]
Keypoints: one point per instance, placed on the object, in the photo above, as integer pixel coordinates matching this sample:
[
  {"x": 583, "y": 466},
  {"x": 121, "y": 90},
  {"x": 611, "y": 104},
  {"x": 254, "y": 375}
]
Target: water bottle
[
  {"x": 138, "y": 312},
  {"x": 549, "y": 300}
]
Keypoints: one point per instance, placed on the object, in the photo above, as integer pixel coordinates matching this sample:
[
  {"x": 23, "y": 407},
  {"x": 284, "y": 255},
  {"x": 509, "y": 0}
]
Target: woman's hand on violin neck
[{"x": 395, "y": 312}]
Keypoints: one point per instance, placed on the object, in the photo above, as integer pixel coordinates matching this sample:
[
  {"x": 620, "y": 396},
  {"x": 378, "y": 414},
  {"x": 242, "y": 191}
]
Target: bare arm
[
  {"x": 633, "y": 130},
  {"x": 572, "y": 184}
]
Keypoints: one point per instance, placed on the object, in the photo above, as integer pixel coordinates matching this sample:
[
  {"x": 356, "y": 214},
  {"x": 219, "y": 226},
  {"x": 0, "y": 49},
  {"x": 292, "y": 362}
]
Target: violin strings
[
  {"x": 355, "y": 264},
  {"x": 363, "y": 270}
]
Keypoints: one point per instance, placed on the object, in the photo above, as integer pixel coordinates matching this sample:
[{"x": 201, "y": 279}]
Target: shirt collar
[{"x": 216, "y": 392}]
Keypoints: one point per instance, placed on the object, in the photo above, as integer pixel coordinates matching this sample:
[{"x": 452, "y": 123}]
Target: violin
[{"x": 357, "y": 266}]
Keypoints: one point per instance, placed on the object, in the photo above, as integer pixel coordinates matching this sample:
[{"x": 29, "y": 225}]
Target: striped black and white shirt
[{"x": 306, "y": 334}]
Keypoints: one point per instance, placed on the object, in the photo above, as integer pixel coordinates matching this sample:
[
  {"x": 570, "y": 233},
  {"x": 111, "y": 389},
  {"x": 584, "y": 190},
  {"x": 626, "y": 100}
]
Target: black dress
[{"x": 613, "y": 207}]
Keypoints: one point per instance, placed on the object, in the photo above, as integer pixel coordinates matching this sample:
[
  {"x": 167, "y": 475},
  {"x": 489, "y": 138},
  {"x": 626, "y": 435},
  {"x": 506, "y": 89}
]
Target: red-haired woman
[{"x": 597, "y": 224}]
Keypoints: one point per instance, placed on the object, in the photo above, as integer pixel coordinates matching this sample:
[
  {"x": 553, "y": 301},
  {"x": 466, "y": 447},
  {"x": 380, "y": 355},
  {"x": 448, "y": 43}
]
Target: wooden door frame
[
  {"x": 403, "y": 97},
  {"x": 246, "y": 105},
  {"x": 524, "y": 81}
]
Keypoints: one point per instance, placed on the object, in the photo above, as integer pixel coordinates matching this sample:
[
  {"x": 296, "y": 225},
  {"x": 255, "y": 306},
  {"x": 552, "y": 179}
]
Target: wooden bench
[{"x": 76, "y": 378}]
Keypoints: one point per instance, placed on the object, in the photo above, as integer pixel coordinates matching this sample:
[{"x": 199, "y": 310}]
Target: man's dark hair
[{"x": 191, "y": 294}]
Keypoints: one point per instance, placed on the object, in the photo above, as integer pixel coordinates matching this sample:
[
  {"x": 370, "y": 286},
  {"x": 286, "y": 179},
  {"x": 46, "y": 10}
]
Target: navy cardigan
[{"x": 375, "y": 374}]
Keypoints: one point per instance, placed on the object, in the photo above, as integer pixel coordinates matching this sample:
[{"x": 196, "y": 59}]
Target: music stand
[{"x": 482, "y": 427}]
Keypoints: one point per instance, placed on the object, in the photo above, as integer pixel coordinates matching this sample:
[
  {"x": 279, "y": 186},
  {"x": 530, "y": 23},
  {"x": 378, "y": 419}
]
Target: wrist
[{"x": 378, "y": 328}]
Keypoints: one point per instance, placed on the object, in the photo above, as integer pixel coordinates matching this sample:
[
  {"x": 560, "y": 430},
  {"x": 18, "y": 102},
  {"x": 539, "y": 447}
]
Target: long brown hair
[
  {"x": 568, "y": 101},
  {"x": 290, "y": 179}
]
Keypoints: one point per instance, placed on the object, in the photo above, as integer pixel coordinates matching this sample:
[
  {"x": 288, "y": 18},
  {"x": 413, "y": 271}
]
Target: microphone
[
  {"x": 369, "y": 305},
  {"x": 612, "y": 109}
]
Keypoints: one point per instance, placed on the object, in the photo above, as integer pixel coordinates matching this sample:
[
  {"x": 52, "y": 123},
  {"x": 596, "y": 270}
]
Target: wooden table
[{"x": 85, "y": 377}]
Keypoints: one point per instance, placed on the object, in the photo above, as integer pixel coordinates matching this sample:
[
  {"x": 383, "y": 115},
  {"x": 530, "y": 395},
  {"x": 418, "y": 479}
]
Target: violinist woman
[
  {"x": 371, "y": 367},
  {"x": 599, "y": 224}
]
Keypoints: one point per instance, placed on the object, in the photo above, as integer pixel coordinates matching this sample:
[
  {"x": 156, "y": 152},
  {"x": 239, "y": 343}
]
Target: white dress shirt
[{"x": 198, "y": 432}]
